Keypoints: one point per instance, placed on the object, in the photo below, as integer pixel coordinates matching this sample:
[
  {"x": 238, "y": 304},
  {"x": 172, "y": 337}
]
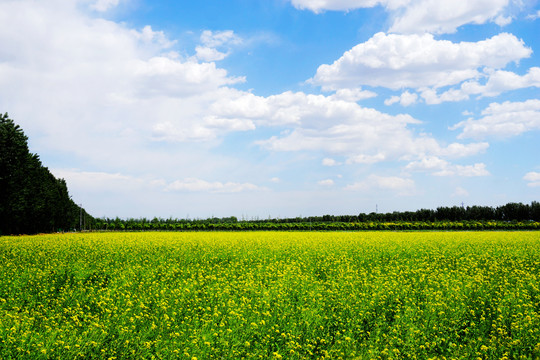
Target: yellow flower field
[{"x": 264, "y": 295}]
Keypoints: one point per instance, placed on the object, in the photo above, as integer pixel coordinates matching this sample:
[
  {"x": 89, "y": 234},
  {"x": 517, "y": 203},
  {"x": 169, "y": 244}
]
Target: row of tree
[
  {"x": 32, "y": 200},
  {"x": 120, "y": 225},
  {"x": 509, "y": 216}
]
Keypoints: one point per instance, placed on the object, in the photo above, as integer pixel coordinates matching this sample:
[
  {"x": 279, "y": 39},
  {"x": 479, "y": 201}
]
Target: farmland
[{"x": 290, "y": 295}]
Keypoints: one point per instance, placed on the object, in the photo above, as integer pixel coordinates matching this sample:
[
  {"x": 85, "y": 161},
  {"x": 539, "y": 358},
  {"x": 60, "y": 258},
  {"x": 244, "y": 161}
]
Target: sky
[{"x": 277, "y": 108}]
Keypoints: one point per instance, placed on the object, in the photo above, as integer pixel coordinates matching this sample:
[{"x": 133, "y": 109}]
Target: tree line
[
  {"x": 32, "y": 200},
  {"x": 510, "y": 216}
]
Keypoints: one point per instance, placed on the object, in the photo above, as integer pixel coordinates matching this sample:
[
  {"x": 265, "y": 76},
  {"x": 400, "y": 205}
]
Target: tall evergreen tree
[{"x": 31, "y": 199}]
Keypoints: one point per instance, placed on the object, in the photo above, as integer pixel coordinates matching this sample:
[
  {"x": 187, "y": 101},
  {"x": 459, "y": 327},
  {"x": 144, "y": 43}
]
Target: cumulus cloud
[
  {"x": 498, "y": 81},
  {"x": 417, "y": 16},
  {"x": 337, "y": 127},
  {"x": 402, "y": 186},
  {"x": 138, "y": 90},
  {"x": 209, "y": 54},
  {"x": 406, "y": 99},
  {"x": 418, "y": 61},
  {"x": 533, "y": 179},
  {"x": 446, "y": 16},
  {"x": 502, "y": 120},
  {"x": 119, "y": 87}
]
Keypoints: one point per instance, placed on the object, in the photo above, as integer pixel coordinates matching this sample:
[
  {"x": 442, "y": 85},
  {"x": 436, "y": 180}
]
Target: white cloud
[
  {"x": 418, "y": 61},
  {"x": 327, "y": 182},
  {"x": 503, "y": 120},
  {"x": 209, "y": 54},
  {"x": 137, "y": 92},
  {"x": 405, "y": 99},
  {"x": 104, "y": 5},
  {"x": 501, "y": 81},
  {"x": 194, "y": 184},
  {"x": 416, "y": 16},
  {"x": 445, "y": 16},
  {"x": 427, "y": 164},
  {"x": 329, "y": 162},
  {"x": 391, "y": 100},
  {"x": 498, "y": 81},
  {"x": 366, "y": 159},
  {"x": 400, "y": 185},
  {"x": 336, "y": 127},
  {"x": 216, "y": 39},
  {"x": 211, "y": 41},
  {"x": 441, "y": 167},
  {"x": 94, "y": 81},
  {"x": 353, "y": 95},
  {"x": 408, "y": 98},
  {"x": 478, "y": 169},
  {"x": 431, "y": 97},
  {"x": 339, "y": 5},
  {"x": 533, "y": 179},
  {"x": 162, "y": 76},
  {"x": 458, "y": 150},
  {"x": 151, "y": 37}
]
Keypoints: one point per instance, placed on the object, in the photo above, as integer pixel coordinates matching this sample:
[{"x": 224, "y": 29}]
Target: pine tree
[{"x": 31, "y": 199}]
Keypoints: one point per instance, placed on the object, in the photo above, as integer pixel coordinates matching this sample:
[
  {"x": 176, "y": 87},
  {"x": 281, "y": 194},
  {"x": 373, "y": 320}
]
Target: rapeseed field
[{"x": 271, "y": 295}]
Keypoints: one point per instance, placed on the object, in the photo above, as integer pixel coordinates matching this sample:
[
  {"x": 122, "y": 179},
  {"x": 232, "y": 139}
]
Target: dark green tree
[{"x": 31, "y": 199}]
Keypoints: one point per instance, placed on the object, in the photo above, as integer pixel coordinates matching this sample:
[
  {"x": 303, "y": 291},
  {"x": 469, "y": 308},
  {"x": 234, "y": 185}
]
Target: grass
[{"x": 309, "y": 295}]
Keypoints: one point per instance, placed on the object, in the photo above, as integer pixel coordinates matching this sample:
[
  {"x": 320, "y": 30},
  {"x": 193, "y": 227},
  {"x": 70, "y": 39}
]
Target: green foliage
[
  {"x": 197, "y": 225},
  {"x": 32, "y": 200}
]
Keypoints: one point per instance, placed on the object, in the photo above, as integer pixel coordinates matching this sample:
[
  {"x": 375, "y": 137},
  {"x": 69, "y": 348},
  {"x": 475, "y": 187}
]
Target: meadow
[{"x": 271, "y": 295}]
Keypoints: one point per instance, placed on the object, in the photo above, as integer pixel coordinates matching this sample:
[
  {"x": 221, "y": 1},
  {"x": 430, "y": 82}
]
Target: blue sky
[{"x": 280, "y": 108}]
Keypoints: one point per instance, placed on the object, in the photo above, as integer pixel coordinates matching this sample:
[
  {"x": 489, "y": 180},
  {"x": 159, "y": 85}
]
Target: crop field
[{"x": 271, "y": 295}]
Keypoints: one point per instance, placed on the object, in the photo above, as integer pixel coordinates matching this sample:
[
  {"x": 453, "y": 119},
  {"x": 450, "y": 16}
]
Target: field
[{"x": 264, "y": 295}]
